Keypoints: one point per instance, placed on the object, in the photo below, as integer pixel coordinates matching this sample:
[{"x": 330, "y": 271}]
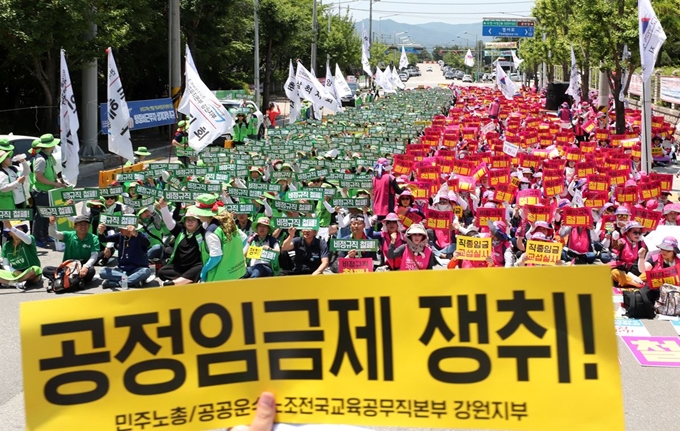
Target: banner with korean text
[{"x": 198, "y": 356}]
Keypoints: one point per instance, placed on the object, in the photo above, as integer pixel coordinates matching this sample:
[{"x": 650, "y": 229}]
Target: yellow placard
[
  {"x": 492, "y": 348},
  {"x": 476, "y": 249},
  {"x": 254, "y": 252},
  {"x": 543, "y": 253}
]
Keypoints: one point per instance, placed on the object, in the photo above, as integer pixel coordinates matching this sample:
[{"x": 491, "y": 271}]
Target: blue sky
[{"x": 451, "y": 11}]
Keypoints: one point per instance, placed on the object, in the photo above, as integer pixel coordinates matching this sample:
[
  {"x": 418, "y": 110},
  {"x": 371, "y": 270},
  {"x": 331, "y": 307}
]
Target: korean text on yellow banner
[
  {"x": 543, "y": 253},
  {"x": 469, "y": 248},
  {"x": 202, "y": 353}
]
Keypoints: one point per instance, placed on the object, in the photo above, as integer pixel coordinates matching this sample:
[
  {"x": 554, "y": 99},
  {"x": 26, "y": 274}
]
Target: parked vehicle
[
  {"x": 404, "y": 77},
  {"x": 350, "y": 100},
  {"x": 515, "y": 77},
  {"x": 467, "y": 78},
  {"x": 449, "y": 75},
  {"x": 429, "y": 69},
  {"x": 460, "y": 74}
]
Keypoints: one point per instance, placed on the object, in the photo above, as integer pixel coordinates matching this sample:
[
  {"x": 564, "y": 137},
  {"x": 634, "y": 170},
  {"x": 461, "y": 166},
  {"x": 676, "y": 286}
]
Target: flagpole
[{"x": 646, "y": 125}]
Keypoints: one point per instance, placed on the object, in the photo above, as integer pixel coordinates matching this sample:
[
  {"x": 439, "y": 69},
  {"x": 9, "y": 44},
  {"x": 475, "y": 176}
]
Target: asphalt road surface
[{"x": 650, "y": 394}]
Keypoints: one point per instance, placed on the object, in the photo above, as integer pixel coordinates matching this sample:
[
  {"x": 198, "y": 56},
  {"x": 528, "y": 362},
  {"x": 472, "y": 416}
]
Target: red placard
[
  {"x": 499, "y": 176},
  {"x": 626, "y": 194},
  {"x": 534, "y": 213},
  {"x": 573, "y": 154},
  {"x": 420, "y": 189},
  {"x": 529, "y": 161},
  {"x": 428, "y": 173},
  {"x": 588, "y": 147},
  {"x": 598, "y": 183},
  {"x": 484, "y": 215},
  {"x": 465, "y": 183},
  {"x": 504, "y": 193},
  {"x": 402, "y": 164},
  {"x": 438, "y": 220},
  {"x": 577, "y": 217},
  {"x": 659, "y": 277},
  {"x": 583, "y": 169},
  {"x": 666, "y": 180},
  {"x": 480, "y": 171},
  {"x": 528, "y": 197},
  {"x": 595, "y": 199},
  {"x": 558, "y": 164},
  {"x": 361, "y": 264},
  {"x": 649, "y": 190},
  {"x": 553, "y": 187},
  {"x": 409, "y": 218},
  {"x": 500, "y": 162},
  {"x": 463, "y": 167},
  {"x": 648, "y": 219}
]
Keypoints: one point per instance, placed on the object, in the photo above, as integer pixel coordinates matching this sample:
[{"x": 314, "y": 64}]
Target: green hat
[
  {"x": 263, "y": 221},
  {"x": 286, "y": 165},
  {"x": 95, "y": 203},
  {"x": 5, "y": 145},
  {"x": 47, "y": 141},
  {"x": 182, "y": 124},
  {"x": 142, "y": 151},
  {"x": 142, "y": 210},
  {"x": 207, "y": 205},
  {"x": 35, "y": 143},
  {"x": 191, "y": 211},
  {"x": 270, "y": 195}
]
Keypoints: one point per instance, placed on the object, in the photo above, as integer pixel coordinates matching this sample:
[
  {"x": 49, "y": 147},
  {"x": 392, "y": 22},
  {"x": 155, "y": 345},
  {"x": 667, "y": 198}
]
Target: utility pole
[
  {"x": 328, "y": 54},
  {"x": 256, "y": 7},
  {"x": 89, "y": 126},
  {"x": 315, "y": 31},
  {"x": 175, "y": 53},
  {"x": 370, "y": 23}
]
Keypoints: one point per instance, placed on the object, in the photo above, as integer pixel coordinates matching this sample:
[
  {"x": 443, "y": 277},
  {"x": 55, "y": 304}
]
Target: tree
[{"x": 342, "y": 42}]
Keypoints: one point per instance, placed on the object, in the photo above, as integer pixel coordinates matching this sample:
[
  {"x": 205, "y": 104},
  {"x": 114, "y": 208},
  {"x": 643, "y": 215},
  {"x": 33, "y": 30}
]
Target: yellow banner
[
  {"x": 493, "y": 348},
  {"x": 469, "y": 248},
  {"x": 543, "y": 253}
]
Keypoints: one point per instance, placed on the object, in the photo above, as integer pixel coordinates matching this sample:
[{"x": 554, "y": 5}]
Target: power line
[
  {"x": 454, "y": 4},
  {"x": 409, "y": 13}
]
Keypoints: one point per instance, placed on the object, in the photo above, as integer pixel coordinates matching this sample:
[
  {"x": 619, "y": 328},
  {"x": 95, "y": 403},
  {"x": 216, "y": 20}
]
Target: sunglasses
[
  {"x": 622, "y": 216},
  {"x": 636, "y": 232},
  {"x": 110, "y": 198}
]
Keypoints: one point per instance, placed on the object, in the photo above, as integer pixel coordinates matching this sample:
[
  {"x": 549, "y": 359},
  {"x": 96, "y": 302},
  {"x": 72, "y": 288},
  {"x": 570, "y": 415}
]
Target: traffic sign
[{"x": 508, "y": 28}]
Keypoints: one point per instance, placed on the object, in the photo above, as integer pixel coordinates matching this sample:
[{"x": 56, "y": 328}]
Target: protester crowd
[{"x": 448, "y": 178}]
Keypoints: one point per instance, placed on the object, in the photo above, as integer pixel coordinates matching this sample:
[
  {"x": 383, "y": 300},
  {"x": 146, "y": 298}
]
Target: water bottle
[{"x": 124, "y": 281}]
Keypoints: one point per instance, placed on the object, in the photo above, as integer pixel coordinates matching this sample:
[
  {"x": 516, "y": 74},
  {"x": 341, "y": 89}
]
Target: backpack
[
  {"x": 668, "y": 303},
  {"x": 638, "y": 304},
  {"x": 67, "y": 277}
]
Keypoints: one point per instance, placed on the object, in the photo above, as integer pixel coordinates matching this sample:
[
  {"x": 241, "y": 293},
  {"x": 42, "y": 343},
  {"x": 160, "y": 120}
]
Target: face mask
[{"x": 523, "y": 186}]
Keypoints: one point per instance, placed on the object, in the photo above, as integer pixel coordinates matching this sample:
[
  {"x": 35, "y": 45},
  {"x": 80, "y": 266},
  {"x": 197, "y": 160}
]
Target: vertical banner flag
[
  {"x": 396, "y": 80},
  {"x": 69, "y": 126},
  {"x": 330, "y": 83},
  {"x": 311, "y": 89},
  {"x": 469, "y": 59},
  {"x": 209, "y": 118},
  {"x": 365, "y": 42},
  {"x": 573, "y": 89},
  {"x": 341, "y": 87},
  {"x": 403, "y": 60},
  {"x": 387, "y": 79},
  {"x": 504, "y": 83},
  {"x": 624, "y": 77},
  {"x": 183, "y": 106},
  {"x": 652, "y": 37},
  {"x": 516, "y": 61},
  {"x": 118, "y": 113},
  {"x": 291, "y": 89},
  {"x": 365, "y": 64}
]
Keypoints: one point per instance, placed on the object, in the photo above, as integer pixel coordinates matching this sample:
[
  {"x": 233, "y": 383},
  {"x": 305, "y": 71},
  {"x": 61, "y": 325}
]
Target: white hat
[{"x": 416, "y": 229}]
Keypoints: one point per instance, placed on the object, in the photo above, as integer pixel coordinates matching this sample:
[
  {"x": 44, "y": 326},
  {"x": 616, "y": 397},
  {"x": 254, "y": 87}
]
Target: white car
[
  {"x": 429, "y": 69},
  {"x": 467, "y": 78},
  {"x": 233, "y": 105}
]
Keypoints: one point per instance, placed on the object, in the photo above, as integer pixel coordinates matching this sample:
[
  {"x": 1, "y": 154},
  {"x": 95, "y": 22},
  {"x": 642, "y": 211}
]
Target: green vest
[
  {"x": 323, "y": 215},
  {"x": 181, "y": 236},
  {"x": 241, "y": 131},
  {"x": 232, "y": 266},
  {"x": 49, "y": 173},
  {"x": 252, "y": 126},
  {"x": 23, "y": 256}
]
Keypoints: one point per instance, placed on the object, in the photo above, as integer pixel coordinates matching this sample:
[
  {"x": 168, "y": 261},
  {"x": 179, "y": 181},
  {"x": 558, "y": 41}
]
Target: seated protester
[
  {"x": 537, "y": 236},
  {"x": 244, "y": 223},
  {"x": 185, "y": 263},
  {"x": 311, "y": 253},
  {"x": 257, "y": 268},
  {"x": 132, "y": 258},
  {"x": 501, "y": 247},
  {"x": 670, "y": 215},
  {"x": 222, "y": 249},
  {"x": 390, "y": 226},
  {"x": 110, "y": 206},
  {"x": 359, "y": 232},
  {"x": 415, "y": 253},
  {"x": 151, "y": 224},
  {"x": 19, "y": 256},
  {"x": 627, "y": 251},
  {"x": 80, "y": 245},
  {"x": 580, "y": 246}
]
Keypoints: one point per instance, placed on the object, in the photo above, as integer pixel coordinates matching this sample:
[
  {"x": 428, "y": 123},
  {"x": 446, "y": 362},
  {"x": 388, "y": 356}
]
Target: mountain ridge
[{"x": 429, "y": 35}]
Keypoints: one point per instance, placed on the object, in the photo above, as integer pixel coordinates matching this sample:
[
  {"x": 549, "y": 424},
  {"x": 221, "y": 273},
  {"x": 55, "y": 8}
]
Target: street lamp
[
  {"x": 467, "y": 41},
  {"x": 476, "y": 58},
  {"x": 394, "y": 37},
  {"x": 380, "y": 22}
]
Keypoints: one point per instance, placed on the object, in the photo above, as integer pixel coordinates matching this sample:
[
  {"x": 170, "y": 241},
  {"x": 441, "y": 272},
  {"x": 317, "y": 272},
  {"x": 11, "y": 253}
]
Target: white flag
[
  {"x": 311, "y": 89},
  {"x": 70, "y": 147},
  {"x": 365, "y": 64},
  {"x": 387, "y": 76},
  {"x": 624, "y": 77},
  {"x": 504, "y": 83},
  {"x": 290, "y": 87},
  {"x": 209, "y": 118},
  {"x": 403, "y": 60},
  {"x": 183, "y": 106},
  {"x": 365, "y": 42},
  {"x": 330, "y": 83},
  {"x": 118, "y": 113},
  {"x": 573, "y": 89},
  {"x": 516, "y": 61},
  {"x": 396, "y": 80},
  {"x": 341, "y": 86},
  {"x": 469, "y": 59},
  {"x": 652, "y": 37}
]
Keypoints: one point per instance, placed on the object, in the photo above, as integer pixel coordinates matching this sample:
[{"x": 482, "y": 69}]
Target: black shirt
[
  {"x": 188, "y": 251},
  {"x": 308, "y": 257}
]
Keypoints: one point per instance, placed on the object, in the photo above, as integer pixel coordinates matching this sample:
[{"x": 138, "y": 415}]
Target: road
[{"x": 650, "y": 394}]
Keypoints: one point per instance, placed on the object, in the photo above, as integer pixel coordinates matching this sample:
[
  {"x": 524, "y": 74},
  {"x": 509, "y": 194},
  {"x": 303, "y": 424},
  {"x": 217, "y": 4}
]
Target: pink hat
[
  {"x": 391, "y": 217},
  {"x": 563, "y": 203},
  {"x": 669, "y": 244},
  {"x": 631, "y": 225},
  {"x": 672, "y": 208},
  {"x": 622, "y": 211},
  {"x": 652, "y": 204}
]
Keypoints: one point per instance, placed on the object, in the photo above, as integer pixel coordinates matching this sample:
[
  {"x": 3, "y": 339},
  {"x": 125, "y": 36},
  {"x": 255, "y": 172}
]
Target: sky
[{"x": 449, "y": 11}]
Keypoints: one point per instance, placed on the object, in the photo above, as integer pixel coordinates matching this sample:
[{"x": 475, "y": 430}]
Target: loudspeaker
[{"x": 555, "y": 95}]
